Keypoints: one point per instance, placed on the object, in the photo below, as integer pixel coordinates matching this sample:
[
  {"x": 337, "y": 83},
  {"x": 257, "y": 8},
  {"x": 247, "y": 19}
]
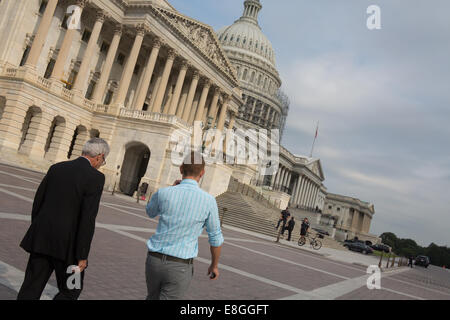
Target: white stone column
[
  {"x": 214, "y": 105},
  {"x": 311, "y": 193},
  {"x": 148, "y": 73},
  {"x": 63, "y": 55},
  {"x": 178, "y": 88},
  {"x": 304, "y": 192},
  {"x": 130, "y": 65},
  {"x": 232, "y": 121},
  {"x": 41, "y": 35},
  {"x": 81, "y": 80},
  {"x": 299, "y": 189},
  {"x": 221, "y": 123},
  {"x": 164, "y": 80},
  {"x": 99, "y": 90},
  {"x": 281, "y": 183},
  {"x": 294, "y": 191},
  {"x": 182, "y": 103},
  {"x": 314, "y": 202},
  {"x": 191, "y": 95},
  {"x": 202, "y": 102}
]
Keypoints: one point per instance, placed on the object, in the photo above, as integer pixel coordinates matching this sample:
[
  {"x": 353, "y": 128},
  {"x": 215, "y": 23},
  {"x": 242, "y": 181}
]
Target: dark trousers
[
  {"x": 39, "y": 269},
  {"x": 289, "y": 235},
  {"x": 284, "y": 224}
]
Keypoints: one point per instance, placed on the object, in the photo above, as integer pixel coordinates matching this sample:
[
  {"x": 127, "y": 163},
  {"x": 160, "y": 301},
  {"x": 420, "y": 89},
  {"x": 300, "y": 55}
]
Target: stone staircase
[{"x": 259, "y": 216}]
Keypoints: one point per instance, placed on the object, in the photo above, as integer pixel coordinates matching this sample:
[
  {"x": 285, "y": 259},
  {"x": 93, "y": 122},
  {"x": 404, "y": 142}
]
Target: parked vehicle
[
  {"x": 358, "y": 247},
  {"x": 381, "y": 247},
  {"x": 423, "y": 261}
]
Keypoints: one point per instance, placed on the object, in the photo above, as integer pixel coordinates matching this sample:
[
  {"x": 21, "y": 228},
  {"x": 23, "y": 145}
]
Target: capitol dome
[
  {"x": 253, "y": 57},
  {"x": 246, "y": 34}
]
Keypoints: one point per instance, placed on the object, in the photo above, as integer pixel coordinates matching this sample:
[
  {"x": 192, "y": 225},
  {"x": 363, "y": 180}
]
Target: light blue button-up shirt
[{"x": 184, "y": 211}]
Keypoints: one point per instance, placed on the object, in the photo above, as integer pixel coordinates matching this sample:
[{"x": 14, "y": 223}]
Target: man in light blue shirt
[{"x": 184, "y": 210}]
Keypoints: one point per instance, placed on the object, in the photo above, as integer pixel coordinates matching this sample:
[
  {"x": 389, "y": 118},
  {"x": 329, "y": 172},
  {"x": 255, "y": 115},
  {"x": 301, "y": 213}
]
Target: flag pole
[{"x": 315, "y": 138}]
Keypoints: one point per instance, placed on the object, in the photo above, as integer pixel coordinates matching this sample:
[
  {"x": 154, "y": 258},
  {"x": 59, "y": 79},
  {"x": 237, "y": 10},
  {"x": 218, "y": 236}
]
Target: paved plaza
[{"x": 252, "y": 267}]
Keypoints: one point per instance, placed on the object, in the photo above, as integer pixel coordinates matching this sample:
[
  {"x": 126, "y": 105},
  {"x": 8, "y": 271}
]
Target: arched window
[
  {"x": 259, "y": 80},
  {"x": 232, "y": 38},
  {"x": 238, "y": 39},
  {"x": 244, "y": 77},
  {"x": 252, "y": 79},
  {"x": 226, "y": 37},
  {"x": 265, "y": 83}
]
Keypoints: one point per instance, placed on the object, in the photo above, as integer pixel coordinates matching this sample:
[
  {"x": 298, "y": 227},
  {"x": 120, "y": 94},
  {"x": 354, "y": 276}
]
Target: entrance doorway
[{"x": 134, "y": 167}]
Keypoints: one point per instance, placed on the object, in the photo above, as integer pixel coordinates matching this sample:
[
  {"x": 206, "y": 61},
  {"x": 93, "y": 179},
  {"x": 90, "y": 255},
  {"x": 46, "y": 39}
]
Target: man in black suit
[{"x": 63, "y": 223}]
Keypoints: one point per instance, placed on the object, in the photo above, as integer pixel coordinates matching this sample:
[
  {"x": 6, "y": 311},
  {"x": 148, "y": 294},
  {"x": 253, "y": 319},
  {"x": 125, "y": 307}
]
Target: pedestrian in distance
[
  {"x": 290, "y": 228},
  {"x": 184, "y": 210},
  {"x": 63, "y": 223},
  {"x": 410, "y": 261},
  {"x": 285, "y": 214},
  {"x": 304, "y": 228}
]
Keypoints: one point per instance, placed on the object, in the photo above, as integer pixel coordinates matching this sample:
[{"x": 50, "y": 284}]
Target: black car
[
  {"x": 423, "y": 261},
  {"x": 358, "y": 247},
  {"x": 381, "y": 247}
]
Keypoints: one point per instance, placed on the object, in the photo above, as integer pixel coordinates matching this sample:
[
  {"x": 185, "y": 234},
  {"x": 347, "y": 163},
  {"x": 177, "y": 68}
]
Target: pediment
[
  {"x": 316, "y": 167},
  {"x": 202, "y": 37}
]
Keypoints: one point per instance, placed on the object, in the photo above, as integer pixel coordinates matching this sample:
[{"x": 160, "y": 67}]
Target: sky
[{"x": 381, "y": 97}]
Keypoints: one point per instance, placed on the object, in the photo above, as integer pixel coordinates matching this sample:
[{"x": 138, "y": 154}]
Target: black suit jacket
[{"x": 64, "y": 211}]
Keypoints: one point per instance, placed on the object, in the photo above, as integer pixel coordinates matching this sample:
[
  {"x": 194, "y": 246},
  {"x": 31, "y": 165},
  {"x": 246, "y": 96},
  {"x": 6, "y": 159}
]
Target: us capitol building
[{"x": 135, "y": 71}]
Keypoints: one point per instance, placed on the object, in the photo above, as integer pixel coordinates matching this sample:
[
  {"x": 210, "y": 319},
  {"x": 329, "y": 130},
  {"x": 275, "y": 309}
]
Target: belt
[{"x": 170, "y": 258}]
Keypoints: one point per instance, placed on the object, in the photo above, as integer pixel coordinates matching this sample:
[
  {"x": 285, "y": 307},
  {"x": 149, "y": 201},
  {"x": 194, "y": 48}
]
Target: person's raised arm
[{"x": 152, "y": 208}]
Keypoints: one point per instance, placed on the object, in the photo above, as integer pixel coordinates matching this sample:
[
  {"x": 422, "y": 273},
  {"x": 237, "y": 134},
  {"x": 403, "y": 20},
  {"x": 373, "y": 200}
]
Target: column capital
[
  {"x": 196, "y": 75},
  {"x": 184, "y": 64},
  {"x": 141, "y": 29},
  {"x": 81, "y": 3},
  {"x": 206, "y": 82},
  {"x": 118, "y": 29},
  {"x": 157, "y": 43},
  {"x": 172, "y": 54},
  {"x": 101, "y": 16},
  {"x": 217, "y": 91},
  {"x": 226, "y": 98}
]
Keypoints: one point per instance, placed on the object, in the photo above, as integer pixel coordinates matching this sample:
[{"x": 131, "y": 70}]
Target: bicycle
[{"x": 315, "y": 244}]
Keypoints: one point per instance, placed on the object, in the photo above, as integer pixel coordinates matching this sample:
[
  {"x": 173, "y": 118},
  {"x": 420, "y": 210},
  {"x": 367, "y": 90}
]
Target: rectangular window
[
  {"x": 90, "y": 90},
  {"x": 49, "y": 70},
  {"x": 104, "y": 48},
  {"x": 64, "y": 21},
  {"x": 71, "y": 80},
  {"x": 136, "y": 69},
  {"x": 25, "y": 56},
  {"x": 43, "y": 6},
  {"x": 86, "y": 35},
  {"x": 121, "y": 59},
  {"x": 108, "y": 97}
]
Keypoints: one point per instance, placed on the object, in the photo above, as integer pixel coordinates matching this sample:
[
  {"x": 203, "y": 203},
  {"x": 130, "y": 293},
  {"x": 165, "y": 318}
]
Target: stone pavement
[{"x": 252, "y": 267}]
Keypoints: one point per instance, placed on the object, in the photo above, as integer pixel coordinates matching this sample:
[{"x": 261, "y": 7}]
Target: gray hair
[{"x": 94, "y": 147}]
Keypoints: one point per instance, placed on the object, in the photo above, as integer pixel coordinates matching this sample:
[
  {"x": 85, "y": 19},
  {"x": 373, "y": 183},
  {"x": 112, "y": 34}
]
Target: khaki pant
[{"x": 167, "y": 280}]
